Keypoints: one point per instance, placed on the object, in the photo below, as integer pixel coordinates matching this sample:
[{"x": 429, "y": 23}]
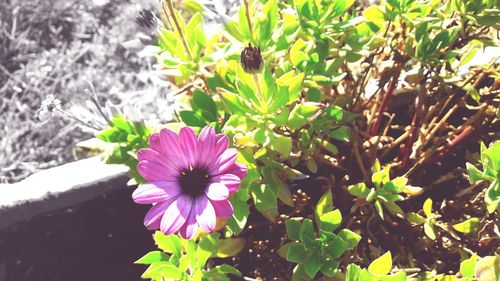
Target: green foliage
[
  {"x": 293, "y": 113},
  {"x": 473, "y": 268},
  {"x": 379, "y": 269},
  {"x": 128, "y": 137},
  {"x": 204, "y": 111},
  {"x": 490, "y": 160},
  {"x": 385, "y": 191},
  {"x": 182, "y": 259},
  {"x": 428, "y": 220},
  {"x": 317, "y": 250}
]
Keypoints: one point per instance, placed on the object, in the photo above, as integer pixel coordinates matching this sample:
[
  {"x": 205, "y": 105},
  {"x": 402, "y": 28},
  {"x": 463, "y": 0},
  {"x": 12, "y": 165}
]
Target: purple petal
[
  {"x": 154, "y": 142},
  {"x": 224, "y": 162},
  {"x": 190, "y": 228},
  {"x": 154, "y": 171},
  {"x": 176, "y": 215},
  {"x": 153, "y": 216},
  {"x": 223, "y": 208},
  {"x": 170, "y": 145},
  {"x": 154, "y": 192},
  {"x": 188, "y": 143},
  {"x": 206, "y": 143},
  {"x": 205, "y": 214},
  {"x": 221, "y": 144},
  {"x": 217, "y": 191},
  {"x": 153, "y": 155},
  {"x": 231, "y": 181},
  {"x": 238, "y": 169}
]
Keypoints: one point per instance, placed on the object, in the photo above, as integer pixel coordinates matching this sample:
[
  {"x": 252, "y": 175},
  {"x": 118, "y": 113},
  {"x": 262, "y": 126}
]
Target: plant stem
[
  {"x": 177, "y": 26},
  {"x": 247, "y": 13},
  {"x": 263, "y": 103},
  {"x": 384, "y": 102}
]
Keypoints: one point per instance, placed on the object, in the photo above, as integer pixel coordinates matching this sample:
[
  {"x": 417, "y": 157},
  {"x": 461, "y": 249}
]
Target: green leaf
[
  {"x": 415, "y": 218},
  {"x": 493, "y": 154},
  {"x": 297, "y": 56},
  {"x": 169, "y": 244},
  {"x": 492, "y": 197},
  {"x": 221, "y": 270},
  {"x": 358, "y": 190},
  {"x": 474, "y": 173},
  {"x": 467, "y": 226},
  {"x": 293, "y": 226},
  {"x": 204, "y": 101},
  {"x": 296, "y": 252},
  {"x": 281, "y": 144},
  {"x": 241, "y": 209},
  {"x": 330, "y": 267},
  {"x": 206, "y": 246},
  {"x": 293, "y": 82},
  {"x": 382, "y": 265},
  {"x": 123, "y": 124},
  {"x": 265, "y": 200},
  {"x": 330, "y": 221},
  {"x": 152, "y": 257},
  {"x": 229, "y": 247},
  {"x": 312, "y": 264},
  {"x": 350, "y": 237},
  {"x": 379, "y": 209},
  {"x": 334, "y": 113},
  {"x": 112, "y": 135},
  {"x": 428, "y": 207},
  {"x": 234, "y": 104},
  {"x": 352, "y": 273},
  {"x": 191, "y": 251},
  {"x": 367, "y": 276},
  {"x": 328, "y": 146},
  {"x": 374, "y": 15},
  {"x": 341, "y": 134},
  {"x": 341, "y": 6},
  {"x": 307, "y": 234},
  {"x": 160, "y": 270},
  {"x": 381, "y": 177},
  {"x": 429, "y": 231},
  {"x": 192, "y": 119},
  {"x": 468, "y": 266},
  {"x": 394, "y": 208},
  {"x": 301, "y": 113},
  {"x": 324, "y": 205},
  {"x": 299, "y": 273},
  {"x": 336, "y": 246},
  {"x": 233, "y": 29}
]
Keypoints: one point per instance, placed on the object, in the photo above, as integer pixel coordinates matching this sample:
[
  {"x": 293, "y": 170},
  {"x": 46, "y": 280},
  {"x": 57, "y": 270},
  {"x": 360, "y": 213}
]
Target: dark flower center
[
  {"x": 251, "y": 58},
  {"x": 194, "y": 181}
]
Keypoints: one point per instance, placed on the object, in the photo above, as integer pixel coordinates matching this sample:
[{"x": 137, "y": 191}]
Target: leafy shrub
[{"x": 288, "y": 84}]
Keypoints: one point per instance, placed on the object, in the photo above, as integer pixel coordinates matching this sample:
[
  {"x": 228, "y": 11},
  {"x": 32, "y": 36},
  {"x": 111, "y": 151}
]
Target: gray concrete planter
[{"x": 72, "y": 222}]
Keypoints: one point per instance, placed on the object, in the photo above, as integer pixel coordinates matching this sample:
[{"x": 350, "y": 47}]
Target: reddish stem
[
  {"x": 383, "y": 104},
  {"x": 411, "y": 138},
  {"x": 456, "y": 141}
]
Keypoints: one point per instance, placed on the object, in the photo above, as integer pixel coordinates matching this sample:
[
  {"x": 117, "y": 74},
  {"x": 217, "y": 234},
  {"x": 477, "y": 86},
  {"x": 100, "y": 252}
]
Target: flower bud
[{"x": 251, "y": 59}]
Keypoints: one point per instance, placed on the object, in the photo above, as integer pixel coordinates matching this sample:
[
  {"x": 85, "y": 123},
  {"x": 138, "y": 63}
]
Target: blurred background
[{"x": 58, "y": 53}]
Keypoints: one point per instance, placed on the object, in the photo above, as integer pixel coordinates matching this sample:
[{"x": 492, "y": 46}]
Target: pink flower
[{"x": 189, "y": 180}]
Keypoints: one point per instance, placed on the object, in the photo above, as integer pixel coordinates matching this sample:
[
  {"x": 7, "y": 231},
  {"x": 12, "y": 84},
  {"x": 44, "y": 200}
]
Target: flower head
[
  {"x": 50, "y": 105},
  {"x": 251, "y": 58},
  {"x": 189, "y": 180},
  {"x": 146, "y": 19}
]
